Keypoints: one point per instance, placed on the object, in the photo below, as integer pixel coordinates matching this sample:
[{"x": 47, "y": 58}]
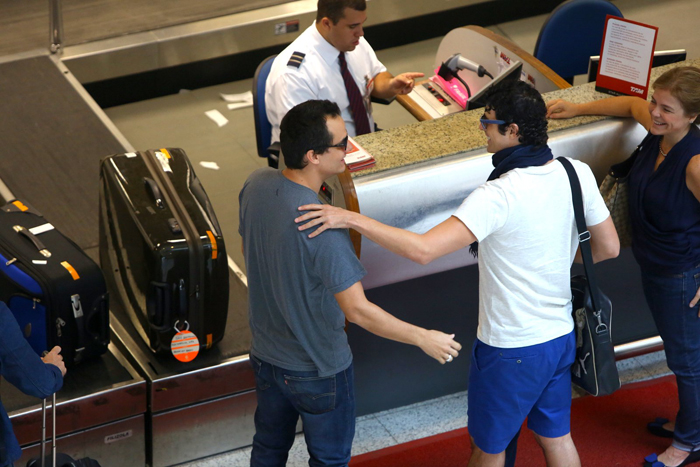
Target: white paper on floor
[
  {"x": 244, "y": 97},
  {"x": 239, "y": 105},
  {"x": 209, "y": 165},
  {"x": 217, "y": 117}
]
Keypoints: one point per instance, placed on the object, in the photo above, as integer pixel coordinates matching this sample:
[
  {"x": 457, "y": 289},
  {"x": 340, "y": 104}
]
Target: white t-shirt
[
  {"x": 318, "y": 77},
  {"x": 525, "y": 225}
]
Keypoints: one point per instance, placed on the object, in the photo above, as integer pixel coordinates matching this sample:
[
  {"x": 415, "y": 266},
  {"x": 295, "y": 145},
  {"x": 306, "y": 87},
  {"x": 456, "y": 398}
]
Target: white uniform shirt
[
  {"x": 318, "y": 77},
  {"x": 525, "y": 225}
]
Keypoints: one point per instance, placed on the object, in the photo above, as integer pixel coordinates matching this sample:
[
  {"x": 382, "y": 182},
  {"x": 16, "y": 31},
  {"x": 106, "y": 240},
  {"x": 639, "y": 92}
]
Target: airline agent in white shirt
[{"x": 309, "y": 68}]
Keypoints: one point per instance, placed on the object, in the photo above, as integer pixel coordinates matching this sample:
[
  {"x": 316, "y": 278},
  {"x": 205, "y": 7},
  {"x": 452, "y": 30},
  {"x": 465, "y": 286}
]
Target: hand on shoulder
[{"x": 324, "y": 216}]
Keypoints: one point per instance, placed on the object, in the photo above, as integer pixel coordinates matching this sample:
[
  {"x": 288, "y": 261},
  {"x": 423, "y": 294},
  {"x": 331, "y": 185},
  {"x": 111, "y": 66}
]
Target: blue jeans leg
[
  {"x": 668, "y": 298},
  {"x": 328, "y": 431},
  {"x": 275, "y": 419},
  {"x": 326, "y": 406}
]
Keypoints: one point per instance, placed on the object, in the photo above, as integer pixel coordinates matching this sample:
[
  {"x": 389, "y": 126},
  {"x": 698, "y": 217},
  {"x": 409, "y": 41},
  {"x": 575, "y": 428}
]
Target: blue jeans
[
  {"x": 668, "y": 297},
  {"x": 326, "y": 406}
]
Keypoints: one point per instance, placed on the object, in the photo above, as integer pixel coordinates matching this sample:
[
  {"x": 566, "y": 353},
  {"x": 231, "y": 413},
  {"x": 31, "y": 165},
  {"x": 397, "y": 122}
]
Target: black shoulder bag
[{"x": 594, "y": 370}]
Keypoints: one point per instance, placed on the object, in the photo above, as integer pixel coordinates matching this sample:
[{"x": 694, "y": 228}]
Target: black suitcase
[
  {"x": 162, "y": 248},
  {"x": 55, "y": 291},
  {"x": 56, "y": 459}
]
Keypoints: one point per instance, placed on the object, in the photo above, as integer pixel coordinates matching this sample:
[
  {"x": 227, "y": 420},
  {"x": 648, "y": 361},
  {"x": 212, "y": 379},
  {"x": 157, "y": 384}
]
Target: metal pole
[
  {"x": 43, "y": 433},
  {"x": 640, "y": 347},
  {"x": 53, "y": 438},
  {"x": 55, "y": 26}
]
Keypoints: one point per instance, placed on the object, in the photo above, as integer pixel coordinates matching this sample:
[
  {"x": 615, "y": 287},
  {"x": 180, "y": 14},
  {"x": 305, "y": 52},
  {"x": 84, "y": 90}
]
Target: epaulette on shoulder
[{"x": 296, "y": 59}]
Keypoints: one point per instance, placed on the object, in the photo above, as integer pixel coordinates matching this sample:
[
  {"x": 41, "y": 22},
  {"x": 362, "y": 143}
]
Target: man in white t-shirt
[
  {"x": 310, "y": 68},
  {"x": 523, "y": 220}
]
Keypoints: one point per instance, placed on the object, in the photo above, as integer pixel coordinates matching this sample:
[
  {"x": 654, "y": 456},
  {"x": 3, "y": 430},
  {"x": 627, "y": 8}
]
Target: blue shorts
[{"x": 508, "y": 385}]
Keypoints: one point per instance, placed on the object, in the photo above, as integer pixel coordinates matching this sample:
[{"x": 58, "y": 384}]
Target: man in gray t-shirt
[{"x": 301, "y": 291}]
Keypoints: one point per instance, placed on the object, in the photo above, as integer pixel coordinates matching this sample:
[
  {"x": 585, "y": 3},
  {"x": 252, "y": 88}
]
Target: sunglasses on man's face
[
  {"x": 342, "y": 145},
  {"x": 483, "y": 121}
]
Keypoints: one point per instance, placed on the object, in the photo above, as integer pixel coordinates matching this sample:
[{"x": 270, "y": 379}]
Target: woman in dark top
[{"x": 664, "y": 202}]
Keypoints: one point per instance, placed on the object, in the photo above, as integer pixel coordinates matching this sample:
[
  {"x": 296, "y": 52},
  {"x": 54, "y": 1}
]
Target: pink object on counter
[{"x": 453, "y": 87}]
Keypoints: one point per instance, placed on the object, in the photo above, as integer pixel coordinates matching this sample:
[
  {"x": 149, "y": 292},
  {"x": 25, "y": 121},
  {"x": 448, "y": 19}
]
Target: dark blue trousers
[
  {"x": 669, "y": 298},
  {"x": 326, "y": 406}
]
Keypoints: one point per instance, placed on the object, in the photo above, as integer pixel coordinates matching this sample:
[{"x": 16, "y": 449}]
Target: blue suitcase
[{"x": 55, "y": 291}]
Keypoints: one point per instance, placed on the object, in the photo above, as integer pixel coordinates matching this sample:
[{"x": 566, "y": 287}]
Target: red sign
[{"x": 626, "y": 57}]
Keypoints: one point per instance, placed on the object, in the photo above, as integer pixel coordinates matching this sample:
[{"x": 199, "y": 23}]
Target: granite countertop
[{"x": 456, "y": 133}]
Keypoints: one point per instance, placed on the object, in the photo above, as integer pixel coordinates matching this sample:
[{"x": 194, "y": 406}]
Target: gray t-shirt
[{"x": 295, "y": 320}]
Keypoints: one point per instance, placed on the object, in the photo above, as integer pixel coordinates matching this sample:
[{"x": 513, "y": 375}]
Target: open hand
[{"x": 323, "y": 215}]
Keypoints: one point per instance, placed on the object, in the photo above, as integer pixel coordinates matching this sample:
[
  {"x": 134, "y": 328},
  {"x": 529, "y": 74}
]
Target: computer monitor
[
  {"x": 512, "y": 72},
  {"x": 662, "y": 57}
]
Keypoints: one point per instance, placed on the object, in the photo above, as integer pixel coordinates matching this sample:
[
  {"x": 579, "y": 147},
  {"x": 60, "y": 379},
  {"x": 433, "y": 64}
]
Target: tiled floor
[{"x": 179, "y": 121}]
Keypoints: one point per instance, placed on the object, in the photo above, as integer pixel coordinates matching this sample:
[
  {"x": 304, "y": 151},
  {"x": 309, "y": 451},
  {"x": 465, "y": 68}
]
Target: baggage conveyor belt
[
  {"x": 127, "y": 407},
  {"x": 53, "y": 137}
]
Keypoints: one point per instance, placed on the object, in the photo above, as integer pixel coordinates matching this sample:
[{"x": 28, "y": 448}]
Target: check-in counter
[{"x": 423, "y": 172}]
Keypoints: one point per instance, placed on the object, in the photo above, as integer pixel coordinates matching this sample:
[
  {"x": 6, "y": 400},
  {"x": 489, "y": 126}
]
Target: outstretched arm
[
  {"x": 387, "y": 86},
  {"x": 360, "y": 311},
  {"x": 622, "y": 106},
  {"x": 451, "y": 235}
]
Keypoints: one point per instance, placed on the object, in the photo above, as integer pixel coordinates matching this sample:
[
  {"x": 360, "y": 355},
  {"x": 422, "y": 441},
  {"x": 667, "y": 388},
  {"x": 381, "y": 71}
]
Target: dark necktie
[{"x": 357, "y": 106}]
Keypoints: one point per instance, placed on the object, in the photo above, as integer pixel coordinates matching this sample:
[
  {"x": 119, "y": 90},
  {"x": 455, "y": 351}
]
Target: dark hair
[
  {"x": 335, "y": 9},
  {"x": 683, "y": 83},
  {"x": 515, "y": 101},
  {"x": 304, "y": 128}
]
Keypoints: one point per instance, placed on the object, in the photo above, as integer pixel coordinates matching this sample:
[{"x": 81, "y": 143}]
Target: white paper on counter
[
  {"x": 209, "y": 165},
  {"x": 217, "y": 117}
]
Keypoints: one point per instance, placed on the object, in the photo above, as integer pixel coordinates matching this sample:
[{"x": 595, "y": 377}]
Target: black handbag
[{"x": 594, "y": 369}]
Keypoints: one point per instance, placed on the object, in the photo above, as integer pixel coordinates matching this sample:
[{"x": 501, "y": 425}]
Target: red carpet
[{"x": 608, "y": 431}]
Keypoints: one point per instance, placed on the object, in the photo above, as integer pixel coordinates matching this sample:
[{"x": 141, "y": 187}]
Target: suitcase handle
[
  {"x": 158, "y": 306},
  {"x": 155, "y": 192},
  {"x": 163, "y": 297},
  {"x": 96, "y": 321},
  {"x": 32, "y": 238}
]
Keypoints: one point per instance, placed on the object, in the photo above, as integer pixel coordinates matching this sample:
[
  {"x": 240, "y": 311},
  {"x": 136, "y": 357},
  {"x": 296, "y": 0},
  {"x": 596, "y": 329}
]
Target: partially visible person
[
  {"x": 331, "y": 60},
  {"x": 523, "y": 220},
  {"x": 23, "y": 368},
  {"x": 664, "y": 203},
  {"x": 301, "y": 291}
]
